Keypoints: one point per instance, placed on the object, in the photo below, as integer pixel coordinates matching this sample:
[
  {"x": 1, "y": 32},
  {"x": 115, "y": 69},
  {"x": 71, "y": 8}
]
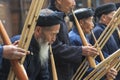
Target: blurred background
[{"x": 13, "y": 12}]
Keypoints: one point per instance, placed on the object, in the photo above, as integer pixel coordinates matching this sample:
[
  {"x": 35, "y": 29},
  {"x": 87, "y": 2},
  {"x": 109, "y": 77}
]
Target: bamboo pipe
[
  {"x": 79, "y": 71},
  {"x": 17, "y": 68},
  {"x": 84, "y": 41},
  {"x": 115, "y": 25},
  {"x": 118, "y": 32},
  {"x": 116, "y": 54},
  {"x": 113, "y": 29},
  {"x": 107, "y": 28},
  {"x": 25, "y": 30},
  {"x": 28, "y": 28},
  {"x": 54, "y": 72},
  {"x": 108, "y": 68},
  {"x": 30, "y": 22},
  {"x": 116, "y": 67},
  {"x": 89, "y": 3},
  {"x": 99, "y": 50}
]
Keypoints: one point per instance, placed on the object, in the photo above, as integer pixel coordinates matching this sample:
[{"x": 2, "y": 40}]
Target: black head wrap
[
  {"x": 82, "y": 13},
  {"x": 104, "y": 9},
  {"x": 117, "y": 5},
  {"x": 49, "y": 18}
]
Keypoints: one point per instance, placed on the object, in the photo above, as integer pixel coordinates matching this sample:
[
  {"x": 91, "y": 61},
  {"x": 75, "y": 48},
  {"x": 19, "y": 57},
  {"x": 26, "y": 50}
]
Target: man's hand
[
  {"x": 13, "y": 52},
  {"x": 112, "y": 73},
  {"x": 89, "y": 51}
]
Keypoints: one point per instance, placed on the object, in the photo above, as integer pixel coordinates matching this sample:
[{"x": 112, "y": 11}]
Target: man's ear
[
  {"x": 103, "y": 17},
  {"x": 81, "y": 22},
  {"x": 37, "y": 32}
]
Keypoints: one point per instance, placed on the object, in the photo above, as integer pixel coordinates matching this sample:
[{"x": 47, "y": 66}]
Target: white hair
[{"x": 43, "y": 53}]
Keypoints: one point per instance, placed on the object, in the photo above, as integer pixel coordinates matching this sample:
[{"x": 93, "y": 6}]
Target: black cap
[
  {"x": 49, "y": 18},
  {"x": 82, "y": 13},
  {"x": 104, "y": 9},
  {"x": 52, "y": 2},
  {"x": 117, "y": 5}
]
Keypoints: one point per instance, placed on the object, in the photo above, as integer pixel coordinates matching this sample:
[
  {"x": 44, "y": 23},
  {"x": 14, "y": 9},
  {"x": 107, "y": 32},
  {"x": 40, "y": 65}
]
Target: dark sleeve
[
  {"x": 15, "y": 38},
  {"x": 1, "y": 52},
  {"x": 67, "y": 53}
]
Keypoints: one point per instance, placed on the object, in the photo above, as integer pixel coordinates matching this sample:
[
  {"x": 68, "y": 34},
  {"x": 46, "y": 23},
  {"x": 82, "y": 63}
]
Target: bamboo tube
[
  {"x": 113, "y": 29},
  {"x": 84, "y": 41},
  {"x": 28, "y": 28},
  {"x": 17, "y": 68},
  {"x": 89, "y": 3},
  {"x": 108, "y": 68},
  {"x": 107, "y": 60},
  {"x": 118, "y": 32},
  {"x": 54, "y": 72},
  {"x": 99, "y": 50},
  {"x": 79, "y": 72},
  {"x": 108, "y": 29},
  {"x": 85, "y": 69},
  {"x": 108, "y": 26}
]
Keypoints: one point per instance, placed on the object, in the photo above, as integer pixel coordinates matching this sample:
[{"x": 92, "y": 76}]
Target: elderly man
[
  {"x": 85, "y": 19},
  {"x": 65, "y": 54},
  {"x": 36, "y": 64},
  {"x": 104, "y": 14}
]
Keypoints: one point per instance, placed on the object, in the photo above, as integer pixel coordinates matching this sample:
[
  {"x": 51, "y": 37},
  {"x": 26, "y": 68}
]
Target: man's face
[
  {"x": 66, "y": 5},
  {"x": 48, "y": 34},
  {"x": 108, "y": 17},
  {"x": 87, "y": 25}
]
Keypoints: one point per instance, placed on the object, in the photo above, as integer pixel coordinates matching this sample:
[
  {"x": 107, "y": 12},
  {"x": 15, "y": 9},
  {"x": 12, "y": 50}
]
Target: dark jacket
[
  {"x": 1, "y": 52},
  {"x": 75, "y": 37},
  {"x": 111, "y": 45},
  {"x": 64, "y": 54},
  {"x": 75, "y": 40},
  {"x": 32, "y": 64},
  {"x": 116, "y": 37}
]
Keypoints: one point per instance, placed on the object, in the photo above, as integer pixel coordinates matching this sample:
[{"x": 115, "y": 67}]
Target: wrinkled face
[
  {"x": 48, "y": 34},
  {"x": 87, "y": 25},
  {"x": 107, "y": 17},
  {"x": 66, "y": 5}
]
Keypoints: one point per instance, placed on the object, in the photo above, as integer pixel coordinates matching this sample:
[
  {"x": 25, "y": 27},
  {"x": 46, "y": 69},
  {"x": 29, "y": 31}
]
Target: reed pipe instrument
[
  {"x": 103, "y": 38},
  {"x": 16, "y": 66},
  {"x": 28, "y": 31}
]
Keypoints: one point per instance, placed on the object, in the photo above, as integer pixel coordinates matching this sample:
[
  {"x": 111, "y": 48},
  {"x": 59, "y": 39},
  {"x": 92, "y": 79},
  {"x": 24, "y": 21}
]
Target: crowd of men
[{"x": 68, "y": 48}]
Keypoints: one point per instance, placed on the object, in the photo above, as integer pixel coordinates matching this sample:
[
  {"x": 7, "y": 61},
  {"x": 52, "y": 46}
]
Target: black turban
[
  {"x": 50, "y": 20},
  {"x": 82, "y": 13},
  {"x": 117, "y": 5},
  {"x": 104, "y": 9},
  {"x": 52, "y": 2}
]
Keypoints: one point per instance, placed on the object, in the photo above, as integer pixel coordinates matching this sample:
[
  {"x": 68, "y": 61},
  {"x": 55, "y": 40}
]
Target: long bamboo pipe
[
  {"x": 113, "y": 24},
  {"x": 118, "y": 31},
  {"x": 99, "y": 50},
  {"x": 54, "y": 72},
  {"x": 84, "y": 41},
  {"x": 109, "y": 31},
  {"x": 28, "y": 29},
  {"x": 16, "y": 66},
  {"x": 108, "y": 60}
]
